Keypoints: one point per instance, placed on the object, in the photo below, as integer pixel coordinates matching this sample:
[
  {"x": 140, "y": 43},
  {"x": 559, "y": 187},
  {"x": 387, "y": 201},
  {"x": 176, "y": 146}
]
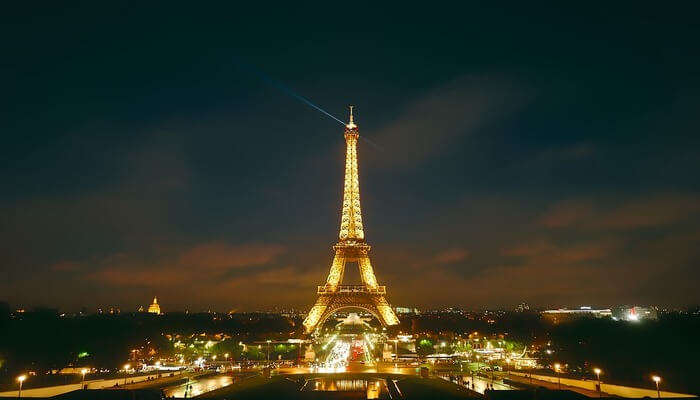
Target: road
[{"x": 358, "y": 367}]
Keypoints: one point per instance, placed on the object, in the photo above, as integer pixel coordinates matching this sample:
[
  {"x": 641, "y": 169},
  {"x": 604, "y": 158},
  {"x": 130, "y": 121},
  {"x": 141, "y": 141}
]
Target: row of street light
[
  {"x": 598, "y": 371},
  {"x": 557, "y": 368},
  {"x": 23, "y": 377}
]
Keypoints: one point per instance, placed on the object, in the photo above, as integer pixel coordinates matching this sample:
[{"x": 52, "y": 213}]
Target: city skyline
[{"x": 546, "y": 168}]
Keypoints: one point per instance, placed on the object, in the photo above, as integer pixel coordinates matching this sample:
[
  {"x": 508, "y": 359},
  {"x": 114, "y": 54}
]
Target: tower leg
[
  {"x": 314, "y": 316},
  {"x": 337, "y": 270},
  {"x": 385, "y": 310},
  {"x": 367, "y": 272}
]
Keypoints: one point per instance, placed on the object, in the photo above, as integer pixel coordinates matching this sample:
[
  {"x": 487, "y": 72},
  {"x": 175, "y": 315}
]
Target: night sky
[{"x": 518, "y": 153}]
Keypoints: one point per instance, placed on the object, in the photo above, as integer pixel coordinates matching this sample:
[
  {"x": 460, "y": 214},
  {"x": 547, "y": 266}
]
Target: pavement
[
  {"x": 554, "y": 386},
  {"x": 49, "y": 391}
]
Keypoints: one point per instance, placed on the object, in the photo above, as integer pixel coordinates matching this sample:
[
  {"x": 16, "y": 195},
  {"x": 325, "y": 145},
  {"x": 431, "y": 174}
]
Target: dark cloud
[
  {"x": 432, "y": 124},
  {"x": 648, "y": 212},
  {"x": 451, "y": 256}
]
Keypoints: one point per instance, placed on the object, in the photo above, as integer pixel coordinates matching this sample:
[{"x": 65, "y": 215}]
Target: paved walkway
[
  {"x": 554, "y": 386},
  {"x": 91, "y": 384}
]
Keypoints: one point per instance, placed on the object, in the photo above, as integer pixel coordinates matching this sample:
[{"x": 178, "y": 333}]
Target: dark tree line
[
  {"x": 40, "y": 340},
  {"x": 628, "y": 352}
]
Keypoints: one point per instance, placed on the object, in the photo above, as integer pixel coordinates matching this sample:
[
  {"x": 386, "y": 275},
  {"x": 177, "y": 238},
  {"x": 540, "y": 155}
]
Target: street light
[
  {"x": 126, "y": 369},
  {"x": 656, "y": 380},
  {"x": 268, "y": 352},
  {"x": 83, "y": 371},
  {"x": 600, "y": 388},
  {"x": 22, "y": 378},
  {"x": 557, "y": 369}
]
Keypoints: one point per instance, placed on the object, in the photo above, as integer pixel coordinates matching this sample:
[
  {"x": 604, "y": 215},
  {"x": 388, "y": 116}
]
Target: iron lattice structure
[{"x": 351, "y": 247}]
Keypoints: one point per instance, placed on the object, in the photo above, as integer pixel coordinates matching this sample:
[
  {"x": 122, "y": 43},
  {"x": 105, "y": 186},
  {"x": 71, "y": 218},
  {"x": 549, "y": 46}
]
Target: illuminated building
[
  {"x": 154, "y": 308},
  {"x": 634, "y": 314},
  {"x": 351, "y": 247},
  {"x": 563, "y": 314}
]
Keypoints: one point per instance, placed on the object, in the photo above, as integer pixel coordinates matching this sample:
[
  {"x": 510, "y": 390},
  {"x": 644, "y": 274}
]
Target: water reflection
[
  {"x": 373, "y": 388},
  {"x": 197, "y": 387}
]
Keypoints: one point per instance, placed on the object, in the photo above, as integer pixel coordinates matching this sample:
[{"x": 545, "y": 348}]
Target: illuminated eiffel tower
[{"x": 350, "y": 248}]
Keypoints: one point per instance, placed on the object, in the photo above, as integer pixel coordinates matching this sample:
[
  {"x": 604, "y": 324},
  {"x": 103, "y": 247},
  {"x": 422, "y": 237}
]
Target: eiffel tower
[{"x": 351, "y": 247}]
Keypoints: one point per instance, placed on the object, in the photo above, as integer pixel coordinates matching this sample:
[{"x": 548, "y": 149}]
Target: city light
[
  {"x": 337, "y": 359},
  {"x": 83, "y": 372},
  {"x": 657, "y": 380},
  {"x": 20, "y": 379}
]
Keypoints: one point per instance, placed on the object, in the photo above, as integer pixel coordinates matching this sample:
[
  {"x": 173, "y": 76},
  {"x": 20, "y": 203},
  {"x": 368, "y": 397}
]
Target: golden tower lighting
[{"x": 351, "y": 247}]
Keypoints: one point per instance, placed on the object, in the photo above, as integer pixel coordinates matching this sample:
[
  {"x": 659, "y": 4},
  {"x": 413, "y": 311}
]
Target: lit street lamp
[
  {"x": 557, "y": 369},
  {"x": 268, "y": 352},
  {"x": 126, "y": 369},
  {"x": 656, "y": 380},
  {"x": 22, "y": 378},
  {"x": 600, "y": 387},
  {"x": 82, "y": 383},
  {"x": 396, "y": 348}
]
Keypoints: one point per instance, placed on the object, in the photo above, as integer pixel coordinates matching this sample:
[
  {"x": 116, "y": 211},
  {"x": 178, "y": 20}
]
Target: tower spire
[
  {"x": 351, "y": 216},
  {"x": 351, "y": 124}
]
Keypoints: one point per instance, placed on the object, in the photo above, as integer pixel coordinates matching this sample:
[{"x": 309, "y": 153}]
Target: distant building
[
  {"x": 154, "y": 308},
  {"x": 522, "y": 307},
  {"x": 406, "y": 310},
  {"x": 634, "y": 314},
  {"x": 564, "y": 315}
]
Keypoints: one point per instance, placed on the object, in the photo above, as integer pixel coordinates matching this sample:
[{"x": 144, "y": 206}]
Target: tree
[{"x": 425, "y": 347}]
